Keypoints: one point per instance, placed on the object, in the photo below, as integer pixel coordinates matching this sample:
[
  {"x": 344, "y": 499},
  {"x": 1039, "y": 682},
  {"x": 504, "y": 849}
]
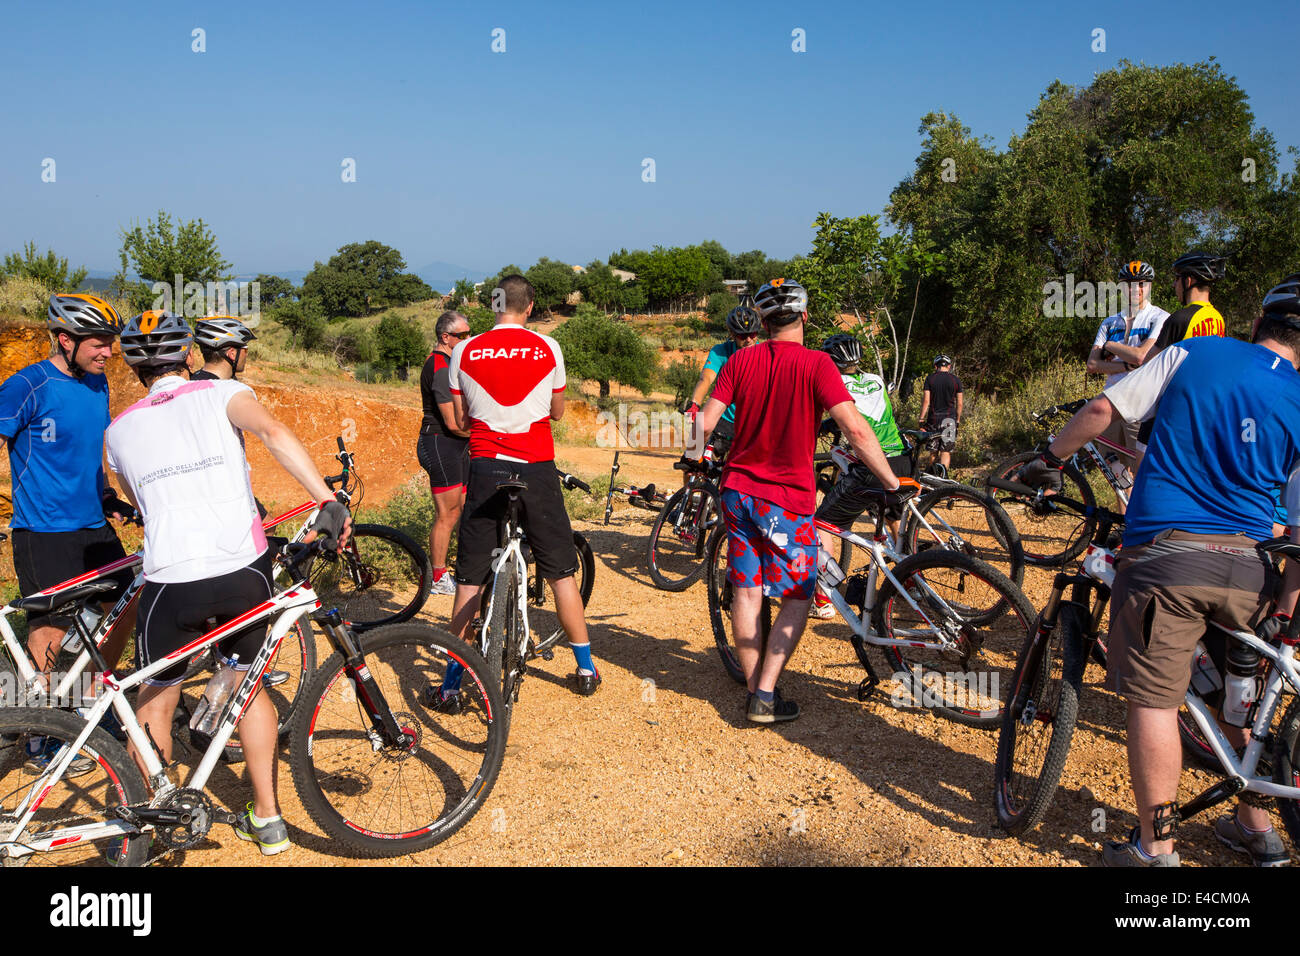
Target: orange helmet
[{"x": 81, "y": 315}]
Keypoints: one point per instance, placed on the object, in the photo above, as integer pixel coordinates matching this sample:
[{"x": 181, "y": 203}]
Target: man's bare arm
[{"x": 864, "y": 443}]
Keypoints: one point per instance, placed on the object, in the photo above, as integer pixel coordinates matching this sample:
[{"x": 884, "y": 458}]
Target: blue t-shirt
[
  {"x": 714, "y": 361},
  {"x": 1227, "y": 436},
  {"x": 55, "y": 426}
]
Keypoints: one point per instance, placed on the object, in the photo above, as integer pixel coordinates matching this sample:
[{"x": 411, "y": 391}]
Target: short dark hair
[
  {"x": 210, "y": 353},
  {"x": 446, "y": 321},
  {"x": 1279, "y": 331},
  {"x": 151, "y": 375},
  {"x": 517, "y": 294},
  {"x": 783, "y": 320}
]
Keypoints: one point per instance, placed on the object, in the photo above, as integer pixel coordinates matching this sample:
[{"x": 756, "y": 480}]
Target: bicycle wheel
[
  {"x": 285, "y": 679},
  {"x": 378, "y": 800},
  {"x": 1286, "y": 768},
  {"x": 544, "y": 620},
  {"x": 1038, "y": 723},
  {"x": 1049, "y": 536},
  {"x": 965, "y": 519},
  {"x": 721, "y": 591},
  {"x": 680, "y": 533},
  {"x": 964, "y": 679},
  {"x": 88, "y": 798},
  {"x": 381, "y": 577}
]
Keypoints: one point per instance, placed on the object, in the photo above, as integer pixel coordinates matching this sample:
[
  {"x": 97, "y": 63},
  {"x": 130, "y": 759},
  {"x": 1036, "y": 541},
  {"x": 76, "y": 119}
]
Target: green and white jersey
[{"x": 872, "y": 399}]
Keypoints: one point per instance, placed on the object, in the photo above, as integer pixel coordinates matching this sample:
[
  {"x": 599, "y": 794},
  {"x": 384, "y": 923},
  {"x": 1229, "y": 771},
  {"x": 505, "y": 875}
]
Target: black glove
[
  {"x": 690, "y": 408},
  {"x": 329, "y": 524},
  {"x": 1274, "y": 627},
  {"x": 113, "y": 505},
  {"x": 1043, "y": 472}
]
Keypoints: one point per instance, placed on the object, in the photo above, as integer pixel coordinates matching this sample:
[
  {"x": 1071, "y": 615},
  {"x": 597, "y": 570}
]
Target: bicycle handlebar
[
  {"x": 570, "y": 481},
  {"x": 1025, "y": 491}
]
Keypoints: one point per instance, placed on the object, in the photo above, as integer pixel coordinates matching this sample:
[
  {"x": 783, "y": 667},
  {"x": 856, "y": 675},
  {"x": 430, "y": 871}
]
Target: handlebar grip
[
  {"x": 684, "y": 466},
  {"x": 578, "y": 483},
  {"x": 341, "y": 445}
]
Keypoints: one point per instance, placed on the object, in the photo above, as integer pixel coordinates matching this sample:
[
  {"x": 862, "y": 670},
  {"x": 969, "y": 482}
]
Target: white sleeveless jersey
[{"x": 184, "y": 462}]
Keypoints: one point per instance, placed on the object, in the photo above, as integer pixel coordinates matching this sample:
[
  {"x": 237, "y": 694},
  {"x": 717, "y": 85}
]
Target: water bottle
[
  {"x": 89, "y": 616},
  {"x": 215, "y": 695},
  {"x": 1205, "y": 676},
  {"x": 1118, "y": 469},
  {"x": 1240, "y": 689}
]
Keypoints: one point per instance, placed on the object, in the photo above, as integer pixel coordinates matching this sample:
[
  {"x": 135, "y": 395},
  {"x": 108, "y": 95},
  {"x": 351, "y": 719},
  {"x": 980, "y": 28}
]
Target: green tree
[
  {"x": 274, "y": 289},
  {"x": 598, "y": 348},
  {"x": 361, "y": 278},
  {"x": 159, "y": 252},
  {"x": 600, "y": 286},
  {"x": 48, "y": 269},
  {"x": 405, "y": 288},
  {"x": 675, "y": 277},
  {"x": 491, "y": 282},
  {"x": 681, "y": 377},
  {"x": 552, "y": 282},
  {"x": 399, "y": 343},
  {"x": 720, "y": 303},
  {"x": 631, "y": 298},
  {"x": 462, "y": 294},
  {"x": 480, "y": 319},
  {"x": 303, "y": 320},
  {"x": 634, "y": 261}
]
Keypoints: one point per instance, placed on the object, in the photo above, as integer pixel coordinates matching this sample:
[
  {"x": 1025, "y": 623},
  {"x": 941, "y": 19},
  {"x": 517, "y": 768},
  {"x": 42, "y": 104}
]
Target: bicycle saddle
[
  {"x": 49, "y": 603},
  {"x": 514, "y": 483}
]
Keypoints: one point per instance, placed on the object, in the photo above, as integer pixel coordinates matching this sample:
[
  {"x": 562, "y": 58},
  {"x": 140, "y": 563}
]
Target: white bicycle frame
[
  {"x": 289, "y": 605},
  {"x": 512, "y": 553}
]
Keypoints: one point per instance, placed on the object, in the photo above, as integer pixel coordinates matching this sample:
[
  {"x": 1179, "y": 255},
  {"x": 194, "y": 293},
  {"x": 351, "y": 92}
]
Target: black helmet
[
  {"x": 156, "y": 340},
  {"x": 1137, "y": 271},
  {"x": 1283, "y": 300},
  {"x": 781, "y": 301},
  {"x": 1201, "y": 266},
  {"x": 844, "y": 349},
  {"x": 743, "y": 321},
  {"x": 222, "y": 331},
  {"x": 942, "y": 359}
]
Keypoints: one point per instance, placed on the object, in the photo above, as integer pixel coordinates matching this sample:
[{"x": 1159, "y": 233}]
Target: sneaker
[
  {"x": 587, "y": 684},
  {"x": 434, "y": 699},
  {"x": 1264, "y": 849},
  {"x": 444, "y": 585},
  {"x": 824, "y": 610},
  {"x": 780, "y": 710},
  {"x": 41, "y": 752},
  {"x": 272, "y": 836},
  {"x": 1125, "y": 853}
]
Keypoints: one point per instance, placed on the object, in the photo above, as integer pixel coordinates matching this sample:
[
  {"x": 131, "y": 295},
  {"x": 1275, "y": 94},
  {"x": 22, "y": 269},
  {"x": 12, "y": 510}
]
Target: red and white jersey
[{"x": 507, "y": 376}]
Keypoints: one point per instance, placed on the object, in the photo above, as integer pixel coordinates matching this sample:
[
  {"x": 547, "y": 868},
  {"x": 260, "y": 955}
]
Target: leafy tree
[
  {"x": 602, "y": 349},
  {"x": 718, "y": 256},
  {"x": 274, "y": 289},
  {"x": 681, "y": 377},
  {"x": 634, "y": 261},
  {"x": 491, "y": 282},
  {"x": 303, "y": 320},
  {"x": 49, "y": 269},
  {"x": 632, "y": 298},
  {"x": 756, "y": 268},
  {"x": 552, "y": 282},
  {"x": 462, "y": 294},
  {"x": 675, "y": 276},
  {"x": 405, "y": 288},
  {"x": 159, "y": 253},
  {"x": 399, "y": 343},
  {"x": 362, "y": 277},
  {"x": 479, "y": 319},
  {"x": 720, "y": 303},
  {"x": 600, "y": 286}
]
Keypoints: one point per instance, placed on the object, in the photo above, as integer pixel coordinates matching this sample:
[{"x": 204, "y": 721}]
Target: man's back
[
  {"x": 943, "y": 388},
  {"x": 872, "y": 399},
  {"x": 1191, "y": 321}
]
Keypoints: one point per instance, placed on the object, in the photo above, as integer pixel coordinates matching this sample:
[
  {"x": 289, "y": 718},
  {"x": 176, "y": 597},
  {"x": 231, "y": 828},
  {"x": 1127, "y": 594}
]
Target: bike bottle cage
[{"x": 1164, "y": 821}]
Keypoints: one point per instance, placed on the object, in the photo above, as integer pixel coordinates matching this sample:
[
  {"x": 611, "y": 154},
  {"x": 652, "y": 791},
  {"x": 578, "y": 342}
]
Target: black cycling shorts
[
  {"x": 43, "y": 559},
  {"x": 173, "y": 615},
  {"x": 850, "y": 498},
  {"x": 721, "y": 439},
  {"x": 445, "y": 459},
  {"x": 541, "y": 513}
]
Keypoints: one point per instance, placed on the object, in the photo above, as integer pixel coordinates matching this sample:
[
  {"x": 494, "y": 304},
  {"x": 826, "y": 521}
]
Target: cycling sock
[
  {"x": 451, "y": 680},
  {"x": 582, "y": 654},
  {"x": 1246, "y": 829},
  {"x": 258, "y": 821},
  {"x": 766, "y": 696},
  {"x": 438, "y": 573},
  {"x": 1137, "y": 844}
]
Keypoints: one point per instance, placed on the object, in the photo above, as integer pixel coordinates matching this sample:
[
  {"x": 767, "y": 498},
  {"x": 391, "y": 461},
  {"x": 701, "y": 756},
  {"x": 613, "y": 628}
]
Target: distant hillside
[{"x": 442, "y": 276}]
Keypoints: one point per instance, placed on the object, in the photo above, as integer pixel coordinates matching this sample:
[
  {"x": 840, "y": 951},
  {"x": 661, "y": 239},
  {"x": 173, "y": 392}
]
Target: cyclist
[
  {"x": 744, "y": 325},
  {"x": 507, "y": 386},
  {"x": 53, "y": 414},
  {"x": 1188, "y": 555},
  {"x": 780, "y": 390},
  {"x": 443, "y": 449},
  {"x": 941, "y": 408},
  {"x": 198, "y": 479},
  {"x": 855, "y": 492},
  {"x": 223, "y": 342},
  {"x": 1123, "y": 342}
]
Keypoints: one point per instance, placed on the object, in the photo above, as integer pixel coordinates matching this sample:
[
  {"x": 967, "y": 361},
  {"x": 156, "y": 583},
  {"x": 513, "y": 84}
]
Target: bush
[
  {"x": 304, "y": 321},
  {"x": 720, "y": 303},
  {"x": 410, "y": 510},
  {"x": 399, "y": 343},
  {"x": 479, "y": 319},
  {"x": 680, "y": 377},
  {"x": 29, "y": 298}
]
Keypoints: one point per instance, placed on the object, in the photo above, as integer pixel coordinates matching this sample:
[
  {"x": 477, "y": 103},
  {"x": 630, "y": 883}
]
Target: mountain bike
[
  {"x": 948, "y": 624},
  {"x": 675, "y": 551},
  {"x": 379, "y": 773},
  {"x": 646, "y": 497},
  {"x": 1042, "y": 702},
  {"x": 1060, "y": 535}
]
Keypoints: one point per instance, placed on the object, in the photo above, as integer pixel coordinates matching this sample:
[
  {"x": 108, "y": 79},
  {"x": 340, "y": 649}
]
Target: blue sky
[{"x": 478, "y": 158}]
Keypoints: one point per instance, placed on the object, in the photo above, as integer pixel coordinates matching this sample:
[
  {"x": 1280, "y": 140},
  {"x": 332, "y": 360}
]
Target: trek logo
[
  {"x": 74, "y": 910},
  {"x": 537, "y": 354}
]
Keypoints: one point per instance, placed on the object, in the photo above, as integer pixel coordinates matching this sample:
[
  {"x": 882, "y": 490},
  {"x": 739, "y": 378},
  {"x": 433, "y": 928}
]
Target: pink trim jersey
[
  {"x": 507, "y": 377},
  {"x": 184, "y": 462}
]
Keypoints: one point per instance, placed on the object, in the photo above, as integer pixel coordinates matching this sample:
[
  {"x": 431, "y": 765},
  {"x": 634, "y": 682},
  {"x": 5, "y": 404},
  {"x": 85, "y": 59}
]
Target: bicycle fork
[{"x": 384, "y": 727}]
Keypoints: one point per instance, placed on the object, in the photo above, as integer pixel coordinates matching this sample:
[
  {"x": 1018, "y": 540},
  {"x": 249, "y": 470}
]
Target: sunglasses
[
  {"x": 458, "y": 335},
  {"x": 745, "y": 336}
]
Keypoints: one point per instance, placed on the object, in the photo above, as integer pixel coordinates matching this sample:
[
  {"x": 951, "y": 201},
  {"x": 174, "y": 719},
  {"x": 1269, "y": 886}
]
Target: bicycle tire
[
  {"x": 968, "y": 520},
  {"x": 586, "y": 581},
  {"x": 986, "y": 646},
  {"x": 1042, "y": 707},
  {"x": 720, "y": 593},
  {"x": 1286, "y": 768},
  {"x": 115, "y": 780},
  {"x": 675, "y": 557},
  {"x": 382, "y": 577},
  {"x": 356, "y": 794},
  {"x": 1041, "y": 534}
]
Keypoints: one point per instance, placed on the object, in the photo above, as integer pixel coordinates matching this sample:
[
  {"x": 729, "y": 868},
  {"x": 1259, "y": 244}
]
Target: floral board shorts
[{"x": 769, "y": 546}]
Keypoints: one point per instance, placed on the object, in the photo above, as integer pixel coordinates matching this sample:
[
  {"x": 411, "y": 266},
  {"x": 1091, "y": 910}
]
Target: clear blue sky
[{"x": 480, "y": 158}]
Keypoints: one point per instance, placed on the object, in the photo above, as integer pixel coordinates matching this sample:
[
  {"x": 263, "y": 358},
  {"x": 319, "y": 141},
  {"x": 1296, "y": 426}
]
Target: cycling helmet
[
  {"x": 942, "y": 359},
  {"x": 82, "y": 315},
  {"x": 746, "y": 300},
  {"x": 222, "y": 331},
  {"x": 844, "y": 349},
  {"x": 781, "y": 301},
  {"x": 1201, "y": 266},
  {"x": 156, "y": 340},
  {"x": 743, "y": 321},
  {"x": 1137, "y": 271},
  {"x": 1283, "y": 300}
]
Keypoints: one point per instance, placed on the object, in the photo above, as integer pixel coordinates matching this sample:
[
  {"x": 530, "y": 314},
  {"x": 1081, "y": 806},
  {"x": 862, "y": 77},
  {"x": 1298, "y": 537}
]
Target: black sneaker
[
  {"x": 587, "y": 684},
  {"x": 780, "y": 710},
  {"x": 435, "y": 700}
]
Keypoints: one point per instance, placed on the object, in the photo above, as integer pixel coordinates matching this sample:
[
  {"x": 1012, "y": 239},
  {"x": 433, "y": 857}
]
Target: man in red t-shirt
[
  {"x": 507, "y": 385},
  {"x": 780, "y": 390}
]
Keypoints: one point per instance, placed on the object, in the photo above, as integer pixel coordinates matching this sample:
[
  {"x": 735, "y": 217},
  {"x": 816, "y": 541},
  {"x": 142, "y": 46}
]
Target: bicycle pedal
[
  {"x": 866, "y": 687},
  {"x": 1165, "y": 820},
  {"x": 548, "y": 654}
]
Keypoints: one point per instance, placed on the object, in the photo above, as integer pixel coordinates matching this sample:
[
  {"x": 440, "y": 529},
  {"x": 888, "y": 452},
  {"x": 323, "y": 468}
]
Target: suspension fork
[{"x": 354, "y": 664}]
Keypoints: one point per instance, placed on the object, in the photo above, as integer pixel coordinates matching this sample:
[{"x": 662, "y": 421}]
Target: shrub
[{"x": 680, "y": 377}]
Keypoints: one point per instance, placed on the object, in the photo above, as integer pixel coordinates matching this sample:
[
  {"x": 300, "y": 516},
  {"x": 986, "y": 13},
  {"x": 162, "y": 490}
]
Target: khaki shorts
[
  {"x": 1123, "y": 434},
  {"x": 1164, "y": 597}
]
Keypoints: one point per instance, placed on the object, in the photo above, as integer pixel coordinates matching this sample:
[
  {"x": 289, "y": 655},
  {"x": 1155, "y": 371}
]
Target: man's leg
[
  {"x": 782, "y": 640},
  {"x": 43, "y": 644},
  {"x": 449, "y": 503},
  {"x": 115, "y": 643},
  {"x": 746, "y": 605},
  {"x": 155, "y": 708},
  {"x": 258, "y": 732},
  {"x": 570, "y": 609},
  {"x": 1155, "y": 762}
]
